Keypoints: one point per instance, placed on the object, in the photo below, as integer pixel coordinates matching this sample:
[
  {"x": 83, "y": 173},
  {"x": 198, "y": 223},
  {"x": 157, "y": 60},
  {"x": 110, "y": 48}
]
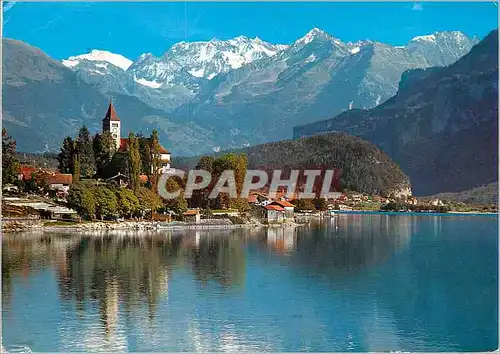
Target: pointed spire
[{"x": 111, "y": 113}]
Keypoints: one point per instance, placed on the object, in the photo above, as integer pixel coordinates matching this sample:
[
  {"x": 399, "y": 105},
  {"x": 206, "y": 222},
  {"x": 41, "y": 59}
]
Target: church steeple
[{"x": 111, "y": 123}]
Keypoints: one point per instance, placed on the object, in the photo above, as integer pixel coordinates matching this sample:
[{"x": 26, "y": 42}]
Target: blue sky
[{"x": 65, "y": 29}]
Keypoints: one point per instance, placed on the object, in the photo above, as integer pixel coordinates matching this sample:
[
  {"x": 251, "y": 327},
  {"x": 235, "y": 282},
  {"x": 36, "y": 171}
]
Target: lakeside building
[
  {"x": 57, "y": 182},
  {"x": 192, "y": 215},
  {"x": 288, "y": 208},
  {"x": 112, "y": 123},
  {"x": 272, "y": 213}
]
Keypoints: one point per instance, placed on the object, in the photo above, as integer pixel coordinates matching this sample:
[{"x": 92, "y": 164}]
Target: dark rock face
[{"x": 441, "y": 127}]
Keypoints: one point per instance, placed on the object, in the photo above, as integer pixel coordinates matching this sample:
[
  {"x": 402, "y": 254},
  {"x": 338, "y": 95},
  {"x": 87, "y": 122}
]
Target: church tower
[{"x": 111, "y": 123}]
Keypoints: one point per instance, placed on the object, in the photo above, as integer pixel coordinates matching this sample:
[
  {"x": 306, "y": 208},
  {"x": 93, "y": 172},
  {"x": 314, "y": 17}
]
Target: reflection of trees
[
  {"x": 136, "y": 268},
  {"x": 220, "y": 258},
  {"x": 23, "y": 255},
  {"x": 130, "y": 269}
]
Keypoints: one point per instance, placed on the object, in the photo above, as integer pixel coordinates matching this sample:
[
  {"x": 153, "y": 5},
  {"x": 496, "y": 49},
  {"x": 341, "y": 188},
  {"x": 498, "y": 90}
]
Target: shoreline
[
  {"x": 469, "y": 213},
  {"x": 133, "y": 226}
]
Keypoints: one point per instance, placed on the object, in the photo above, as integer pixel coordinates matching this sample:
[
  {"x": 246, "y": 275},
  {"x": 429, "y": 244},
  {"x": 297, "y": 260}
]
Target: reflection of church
[{"x": 111, "y": 123}]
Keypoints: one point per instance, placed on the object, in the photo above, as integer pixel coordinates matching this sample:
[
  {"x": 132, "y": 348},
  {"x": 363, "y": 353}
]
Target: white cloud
[{"x": 417, "y": 6}]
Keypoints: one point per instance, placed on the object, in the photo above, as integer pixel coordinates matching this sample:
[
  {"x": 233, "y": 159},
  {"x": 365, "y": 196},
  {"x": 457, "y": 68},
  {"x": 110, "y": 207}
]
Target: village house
[
  {"x": 57, "y": 182},
  {"x": 111, "y": 123},
  {"x": 412, "y": 201},
  {"x": 60, "y": 182},
  {"x": 287, "y": 207},
  {"x": 436, "y": 202},
  {"x": 192, "y": 215},
  {"x": 120, "y": 179},
  {"x": 272, "y": 213},
  {"x": 258, "y": 198}
]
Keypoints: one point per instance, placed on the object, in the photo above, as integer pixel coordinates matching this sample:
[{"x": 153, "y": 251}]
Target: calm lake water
[{"x": 352, "y": 283}]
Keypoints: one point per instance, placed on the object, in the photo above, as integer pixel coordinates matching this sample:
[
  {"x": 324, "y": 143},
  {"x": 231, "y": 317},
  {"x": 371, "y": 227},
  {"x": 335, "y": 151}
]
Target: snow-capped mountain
[
  {"x": 101, "y": 57},
  {"x": 245, "y": 91},
  {"x": 202, "y": 60},
  {"x": 316, "y": 77},
  {"x": 440, "y": 48},
  {"x": 442, "y": 125}
]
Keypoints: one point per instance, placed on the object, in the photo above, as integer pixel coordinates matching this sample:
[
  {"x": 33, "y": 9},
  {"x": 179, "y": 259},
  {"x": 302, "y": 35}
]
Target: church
[{"x": 111, "y": 123}]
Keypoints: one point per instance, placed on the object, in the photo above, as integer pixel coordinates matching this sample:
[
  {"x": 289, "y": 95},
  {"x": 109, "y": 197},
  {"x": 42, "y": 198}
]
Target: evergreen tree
[
  {"x": 134, "y": 161},
  {"x": 10, "y": 164},
  {"x": 76, "y": 163},
  {"x": 145, "y": 152},
  {"x": 66, "y": 156},
  {"x": 153, "y": 173},
  {"x": 86, "y": 152},
  {"x": 104, "y": 149}
]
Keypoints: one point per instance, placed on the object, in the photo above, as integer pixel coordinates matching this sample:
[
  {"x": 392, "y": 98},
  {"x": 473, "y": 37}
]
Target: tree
[
  {"x": 66, "y": 156},
  {"x": 149, "y": 200},
  {"x": 41, "y": 180},
  {"x": 145, "y": 152},
  {"x": 106, "y": 204},
  {"x": 320, "y": 204},
  {"x": 239, "y": 203},
  {"x": 76, "y": 163},
  {"x": 199, "y": 198},
  {"x": 81, "y": 198},
  {"x": 134, "y": 161},
  {"x": 234, "y": 162},
  {"x": 128, "y": 204},
  {"x": 86, "y": 152},
  {"x": 155, "y": 160},
  {"x": 104, "y": 148},
  {"x": 205, "y": 163},
  {"x": 10, "y": 164},
  {"x": 304, "y": 205},
  {"x": 179, "y": 204}
]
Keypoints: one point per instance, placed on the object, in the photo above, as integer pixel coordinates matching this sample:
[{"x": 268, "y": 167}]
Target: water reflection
[
  {"x": 136, "y": 268},
  {"x": 347, "y": 244},
  {"x": 345, "y": 283}
]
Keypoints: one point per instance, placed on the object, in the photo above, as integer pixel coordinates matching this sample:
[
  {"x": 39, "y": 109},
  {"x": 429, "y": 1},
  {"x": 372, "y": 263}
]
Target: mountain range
[
  {"x": 207, "y": 96},
  {"x": 441, "y": 127}
]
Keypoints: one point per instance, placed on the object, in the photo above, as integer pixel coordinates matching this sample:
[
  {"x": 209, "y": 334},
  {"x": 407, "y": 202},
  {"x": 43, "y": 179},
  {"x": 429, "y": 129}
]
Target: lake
[{"x": 349, "y": 283}]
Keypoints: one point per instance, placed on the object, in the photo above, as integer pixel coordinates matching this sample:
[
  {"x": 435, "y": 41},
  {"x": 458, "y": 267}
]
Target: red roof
[
  {"x": 123, "y": 144},
  {"x": 273, "y": 207},
  {"x": 252, "y": 198},
  {"x": 111, "y": 113},
  {"x": 191, "y": 212},
  {"x": 143, "y": 178},
  {"x": 283, "y": 203},
  {"x": 27, "y": 171},
  {"x": 60, "y": 178}
]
